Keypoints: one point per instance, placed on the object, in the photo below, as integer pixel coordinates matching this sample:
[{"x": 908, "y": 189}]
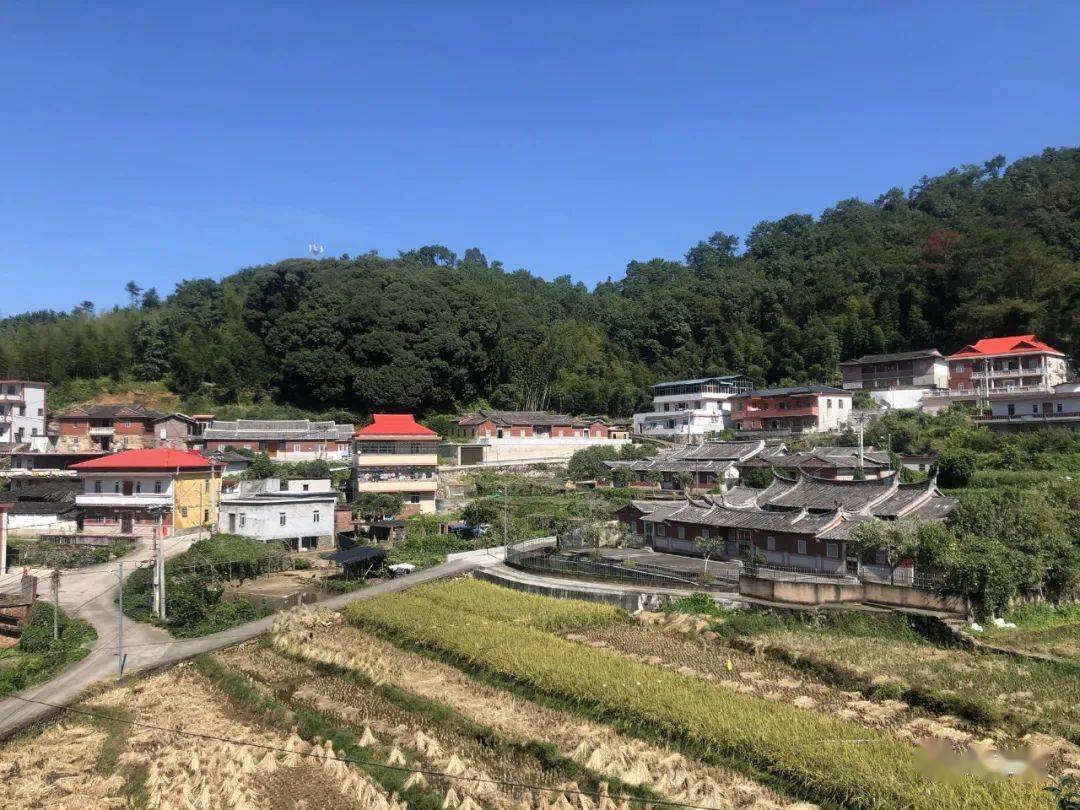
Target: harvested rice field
[
  {"x": 1006, "y": 692},
  {"x": 465, "y": 695}
]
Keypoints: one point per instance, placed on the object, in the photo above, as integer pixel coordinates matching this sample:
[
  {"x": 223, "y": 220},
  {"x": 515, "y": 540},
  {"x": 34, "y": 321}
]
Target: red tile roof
[
  {"x": 1005, "y": 345},
  {"x": 161, "y": 458},
  {"x": 396, "y": 424}
]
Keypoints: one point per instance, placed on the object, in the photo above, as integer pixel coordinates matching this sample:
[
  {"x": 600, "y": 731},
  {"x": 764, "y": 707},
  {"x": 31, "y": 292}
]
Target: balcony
[
  {"x": 139, "y": 501},
  {"x": 403, "y": 485},
  {"x": 776, "y": 413},
  {"x": 102, "y": 431},
  {"x": 398, "y": 460}
]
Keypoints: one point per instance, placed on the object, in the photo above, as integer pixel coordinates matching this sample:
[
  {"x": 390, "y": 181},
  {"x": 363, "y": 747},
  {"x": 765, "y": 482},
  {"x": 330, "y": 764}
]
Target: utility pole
[
  {"x": 120, "y": 623},
  {"x": 56, "y": 604},
  {"x": 861, "y": 429},
  {"x": 506, "y": 516},
  {"x": 159, "y": 570}
]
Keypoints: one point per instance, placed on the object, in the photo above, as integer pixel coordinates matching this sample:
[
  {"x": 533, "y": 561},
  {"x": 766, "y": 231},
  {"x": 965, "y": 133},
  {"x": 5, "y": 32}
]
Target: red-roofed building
[
  {"x": 126, "y": 493},
  {"x": 1006, "y": 364},
  {"x": 398, "y": 456}
]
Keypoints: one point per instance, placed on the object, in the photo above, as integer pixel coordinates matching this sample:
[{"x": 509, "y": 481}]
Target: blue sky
[{"x": 156, "y": 142}]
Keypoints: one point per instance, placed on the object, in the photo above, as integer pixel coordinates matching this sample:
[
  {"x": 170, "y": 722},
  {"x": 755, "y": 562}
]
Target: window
[
  {"x": 832, "y": 550},
  {"x": 840, "y": 404},
  {"x": 138, "y": 487},
  {"x": 116, "y": 486},
  {"x": 306, "y": 488},
  {"x": 1012, "y": 409},
  {"x": 205, "y": 515},
  {"x": 296, "y": 448},
  {"x": 414, "y": 498},
  {"x": 682, "y": 532},
  {"x": 1035, "y": 407},
  {"x": 183, "y": 511},
  {"x": 802, "y": 546},
  {"x": 705, "y": 534},
  {"x": 770, "y": 543},
  {"x": 206, "y": 486},
  {"x": 97, "y": 486},
  {"x": 281, "y": 518},
  {"x": 157, "y": 487},
  {"x": 661, "y": 530},
  {"x": 1058, "y": 408},
  {"x": 315, "y": 516},
  {"x": 828, "y": 404}
]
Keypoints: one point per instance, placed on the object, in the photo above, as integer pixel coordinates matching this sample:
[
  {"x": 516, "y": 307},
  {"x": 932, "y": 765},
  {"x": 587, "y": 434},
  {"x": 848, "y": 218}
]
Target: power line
[{"x": 354, "y": 761}]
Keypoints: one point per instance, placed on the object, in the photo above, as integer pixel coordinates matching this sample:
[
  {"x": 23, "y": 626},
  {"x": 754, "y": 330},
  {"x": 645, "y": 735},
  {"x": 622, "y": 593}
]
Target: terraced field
[
  {"x": 466, "y": 695},
  {"x": 812, "y": 754}
]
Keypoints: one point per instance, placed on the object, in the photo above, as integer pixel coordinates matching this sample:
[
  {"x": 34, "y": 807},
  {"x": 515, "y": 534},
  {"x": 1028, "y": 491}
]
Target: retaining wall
[{"x": 820, "y": 593}]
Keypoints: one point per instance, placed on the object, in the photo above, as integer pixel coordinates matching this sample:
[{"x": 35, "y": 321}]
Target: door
[
  {"x": 232, "y": 523},
  {"x": 1048, "y": 409},
  {"x": 125, "y": 523},
  {"x": 129, "y": 487}
]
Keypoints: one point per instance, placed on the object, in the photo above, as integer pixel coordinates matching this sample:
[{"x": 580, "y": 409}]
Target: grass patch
[
  {"x": 829, "y": 760},
  {"x": 37, "y": 657}
]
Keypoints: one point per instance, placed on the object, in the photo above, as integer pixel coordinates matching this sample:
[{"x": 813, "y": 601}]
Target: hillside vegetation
[{"x": 980, "y": 250}]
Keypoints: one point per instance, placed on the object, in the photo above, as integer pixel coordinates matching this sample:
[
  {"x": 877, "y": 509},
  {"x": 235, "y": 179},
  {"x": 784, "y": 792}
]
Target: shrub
[{"x": 301, "y": 564}]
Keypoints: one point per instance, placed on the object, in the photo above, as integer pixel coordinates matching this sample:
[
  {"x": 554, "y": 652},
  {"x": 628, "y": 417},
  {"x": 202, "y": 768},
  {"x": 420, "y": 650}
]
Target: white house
[
  {"x": 691, "y": 407},
  {"x": 1059, "y": 407},
  {"x": 22, "y": 414},
  {"x": 298, "y": 514}
]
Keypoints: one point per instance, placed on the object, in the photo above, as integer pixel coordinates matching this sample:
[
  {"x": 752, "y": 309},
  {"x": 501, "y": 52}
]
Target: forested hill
[{"x": 980, "y": 250}]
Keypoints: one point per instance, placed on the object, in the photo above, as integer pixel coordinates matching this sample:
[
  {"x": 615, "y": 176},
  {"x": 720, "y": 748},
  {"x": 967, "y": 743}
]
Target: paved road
[{"x": 147, "y": 647}]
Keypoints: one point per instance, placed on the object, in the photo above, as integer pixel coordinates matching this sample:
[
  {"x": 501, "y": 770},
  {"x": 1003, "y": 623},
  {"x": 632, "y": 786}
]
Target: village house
[
  {"x": 297, "y": 514},
  {"x": 282, "y": 440},
  {"x": 684, "y": 408},
  {"x": 840, "y": 463},
  {"x": 799, "y": 409},
  {"x": 397, "y": 455},
  {"x": 704, "y": 466},
  {"x": 1029, "y": 410},
  {"x": 924, "y": 368},
  {"x": 1020, "y": 363},
  {"x": 802, "y": 522},
  {"x": 23, "y": 422},
  {"x": 41, "y": 507},
  {"x": 106, "y": 428},
  {"x": 127, "y": 493},
  {"x": 491, "y": 437}
]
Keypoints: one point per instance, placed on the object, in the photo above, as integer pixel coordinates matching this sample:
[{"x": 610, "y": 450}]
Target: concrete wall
[{"x": 817, "y": 593}]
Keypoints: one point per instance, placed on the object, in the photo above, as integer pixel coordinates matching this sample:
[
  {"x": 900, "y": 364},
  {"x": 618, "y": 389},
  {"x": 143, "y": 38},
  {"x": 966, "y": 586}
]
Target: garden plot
[{"x": 317, "y": 636}]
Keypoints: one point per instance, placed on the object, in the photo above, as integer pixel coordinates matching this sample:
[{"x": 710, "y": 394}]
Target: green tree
[{"x": 709, "y": 547}]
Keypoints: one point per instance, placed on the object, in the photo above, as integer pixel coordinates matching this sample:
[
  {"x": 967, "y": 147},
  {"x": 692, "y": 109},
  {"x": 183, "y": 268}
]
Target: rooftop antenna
[{"x": 315, "y": 249}]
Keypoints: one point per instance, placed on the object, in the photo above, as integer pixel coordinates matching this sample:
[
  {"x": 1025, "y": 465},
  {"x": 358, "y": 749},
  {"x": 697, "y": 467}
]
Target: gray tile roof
[
  {"x": 892, "y": 358},
  {"x": 815, "y": 388},
  {"x": 277, "y": 429},
  {"x": 511, "y": 418},
  {"x": 705, "y": 457}
]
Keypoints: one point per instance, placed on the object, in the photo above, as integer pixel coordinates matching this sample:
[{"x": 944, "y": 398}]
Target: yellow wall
[{"x": 197, "y": 493}]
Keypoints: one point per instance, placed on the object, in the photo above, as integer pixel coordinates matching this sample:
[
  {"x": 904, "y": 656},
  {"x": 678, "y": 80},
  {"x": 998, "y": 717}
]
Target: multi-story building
[
  {"x": 281, "y": 440},
  {"x": 490, "y": 424},
  {"x": 297, "y": 514},
  {"x": 1028, "y": 410},
  {"x": 509, "y": 437},
  {"x": 685, "y": 408},
  {"x": 106, "y": 428},
  {"x": 22, "y": 415},
  {"x": 799, "y": 409},
  {"x": 126, "y": 493},
  {"x": 1007, "y": 364},
  {"x": 397, "y": 455},
  {"x": 926, "y": 368}
]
